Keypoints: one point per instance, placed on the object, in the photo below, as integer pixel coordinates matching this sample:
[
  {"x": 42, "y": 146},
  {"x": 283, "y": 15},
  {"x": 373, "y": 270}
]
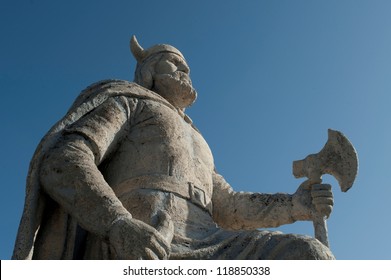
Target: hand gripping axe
[{"x": 338, "y": 158}]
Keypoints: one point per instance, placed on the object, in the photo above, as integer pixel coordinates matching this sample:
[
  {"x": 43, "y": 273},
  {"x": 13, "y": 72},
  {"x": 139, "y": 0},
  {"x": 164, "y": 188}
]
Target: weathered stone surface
[{"x": 126, "y": 175}]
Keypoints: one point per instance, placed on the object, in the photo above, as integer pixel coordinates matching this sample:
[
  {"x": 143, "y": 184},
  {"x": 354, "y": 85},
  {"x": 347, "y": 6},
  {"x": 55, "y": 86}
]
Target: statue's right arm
[
  {"x": 248, "y": 210},
  {"x": 70, "y": 176}
]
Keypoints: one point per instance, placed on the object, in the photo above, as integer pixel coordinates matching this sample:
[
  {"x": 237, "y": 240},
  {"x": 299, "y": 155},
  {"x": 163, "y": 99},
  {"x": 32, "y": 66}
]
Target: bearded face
[
  {"x": 163, "y": 69},
  {"x": 171, "y": 80}
]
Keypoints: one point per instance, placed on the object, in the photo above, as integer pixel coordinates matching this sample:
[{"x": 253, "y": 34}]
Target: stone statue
[{"x": 126, "y": 175}]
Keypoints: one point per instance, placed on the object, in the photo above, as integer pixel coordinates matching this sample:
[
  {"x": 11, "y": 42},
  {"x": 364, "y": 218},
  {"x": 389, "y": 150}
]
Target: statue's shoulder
[
  {"x": 105, "y": 89},
  {"x": 114, "y": 87}
]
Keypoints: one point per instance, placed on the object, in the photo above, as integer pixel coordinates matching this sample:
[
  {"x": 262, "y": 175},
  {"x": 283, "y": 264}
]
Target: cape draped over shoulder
[{"x": 88, "y": 100}]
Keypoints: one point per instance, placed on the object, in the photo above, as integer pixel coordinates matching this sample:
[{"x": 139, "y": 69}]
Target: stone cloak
[{"x": 36, "y": 202}]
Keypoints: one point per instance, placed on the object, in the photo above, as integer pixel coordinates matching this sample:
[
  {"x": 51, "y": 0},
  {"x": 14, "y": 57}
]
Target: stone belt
[{"x": 187, "y": 190}]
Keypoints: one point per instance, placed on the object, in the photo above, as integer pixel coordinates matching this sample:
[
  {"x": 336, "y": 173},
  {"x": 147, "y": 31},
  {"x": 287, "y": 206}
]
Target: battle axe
[{"x": 338, "y": 158}]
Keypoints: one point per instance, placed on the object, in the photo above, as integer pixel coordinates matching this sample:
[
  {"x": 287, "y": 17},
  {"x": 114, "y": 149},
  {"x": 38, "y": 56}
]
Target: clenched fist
[
  {"x": 134, "y": 239},
  {"x": 312, "y": 200}
]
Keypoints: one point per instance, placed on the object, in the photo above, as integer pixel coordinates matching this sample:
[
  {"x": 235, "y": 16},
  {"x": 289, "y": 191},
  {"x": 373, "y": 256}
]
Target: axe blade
[
  {"x": 338, "y": 158},
  {"x": 341, "y": 159}
]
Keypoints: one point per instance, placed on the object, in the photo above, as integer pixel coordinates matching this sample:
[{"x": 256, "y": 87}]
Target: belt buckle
[{"x": 197, "y": 195}]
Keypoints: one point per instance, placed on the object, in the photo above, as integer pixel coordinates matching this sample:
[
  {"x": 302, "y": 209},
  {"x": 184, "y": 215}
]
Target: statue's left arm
[{"x": 246, "y": 210}]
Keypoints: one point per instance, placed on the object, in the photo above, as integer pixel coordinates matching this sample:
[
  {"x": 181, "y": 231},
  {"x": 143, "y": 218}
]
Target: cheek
[{"x": 165, "y": 67}]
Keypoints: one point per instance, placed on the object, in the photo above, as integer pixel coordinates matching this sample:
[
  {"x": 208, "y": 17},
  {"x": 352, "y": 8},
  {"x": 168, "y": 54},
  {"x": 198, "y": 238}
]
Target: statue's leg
[
  {"x": 291, "y": 247},
  {"x": 267, "y": 245}
]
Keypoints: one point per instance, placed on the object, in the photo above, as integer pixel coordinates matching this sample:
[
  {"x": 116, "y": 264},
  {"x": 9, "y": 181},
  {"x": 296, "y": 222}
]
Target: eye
[{"x": 175, "y": 61}]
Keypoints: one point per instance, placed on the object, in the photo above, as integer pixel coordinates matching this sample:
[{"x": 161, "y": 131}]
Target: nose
[{"x": 183, "y": 68}]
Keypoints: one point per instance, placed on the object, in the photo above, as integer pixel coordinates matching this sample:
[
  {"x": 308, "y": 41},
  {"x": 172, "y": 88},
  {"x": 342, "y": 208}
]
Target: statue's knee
[{"x": 308, "y": 248}]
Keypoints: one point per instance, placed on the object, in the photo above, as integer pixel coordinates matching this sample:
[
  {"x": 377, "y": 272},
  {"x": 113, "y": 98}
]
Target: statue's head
[{"x": 163, "y": 69}]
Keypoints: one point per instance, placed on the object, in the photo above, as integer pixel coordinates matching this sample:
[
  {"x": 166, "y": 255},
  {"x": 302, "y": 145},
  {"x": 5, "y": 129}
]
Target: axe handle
[
  {"x": 320, "y": 227},
  {"x": 320, "y": 224}
]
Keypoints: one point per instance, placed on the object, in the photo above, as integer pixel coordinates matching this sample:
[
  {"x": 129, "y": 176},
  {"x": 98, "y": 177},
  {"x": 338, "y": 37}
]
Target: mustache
[{"x": 180, "y": 77}]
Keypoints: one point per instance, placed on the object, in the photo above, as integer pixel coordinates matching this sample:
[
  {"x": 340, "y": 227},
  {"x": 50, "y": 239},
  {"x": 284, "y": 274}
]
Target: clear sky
[{"x": 272, "y": 77}]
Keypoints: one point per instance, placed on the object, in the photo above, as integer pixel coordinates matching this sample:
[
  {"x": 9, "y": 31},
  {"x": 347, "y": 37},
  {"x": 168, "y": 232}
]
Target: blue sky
[{"x": 272, "y": 77}]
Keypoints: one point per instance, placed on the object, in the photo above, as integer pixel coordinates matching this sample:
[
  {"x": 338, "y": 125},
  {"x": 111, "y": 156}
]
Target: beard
[{"x": 176, "y": 88}]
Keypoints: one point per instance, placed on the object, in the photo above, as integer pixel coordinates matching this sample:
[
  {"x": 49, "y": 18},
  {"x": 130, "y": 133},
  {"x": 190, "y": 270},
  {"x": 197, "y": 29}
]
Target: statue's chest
[
  {"x": 159, "y": 141},
  {"x": 163, "y": 131}
]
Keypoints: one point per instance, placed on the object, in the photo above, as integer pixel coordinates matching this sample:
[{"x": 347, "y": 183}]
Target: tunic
[{"x": 150, "y": 156}]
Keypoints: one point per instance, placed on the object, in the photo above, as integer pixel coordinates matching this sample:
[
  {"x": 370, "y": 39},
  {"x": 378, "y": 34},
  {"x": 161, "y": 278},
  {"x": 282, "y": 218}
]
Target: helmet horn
[{"x": 137, "y": 51}]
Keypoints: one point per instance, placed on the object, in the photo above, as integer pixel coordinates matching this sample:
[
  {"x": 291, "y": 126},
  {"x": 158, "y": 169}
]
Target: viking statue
[{"x": 126, "y": 175}]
